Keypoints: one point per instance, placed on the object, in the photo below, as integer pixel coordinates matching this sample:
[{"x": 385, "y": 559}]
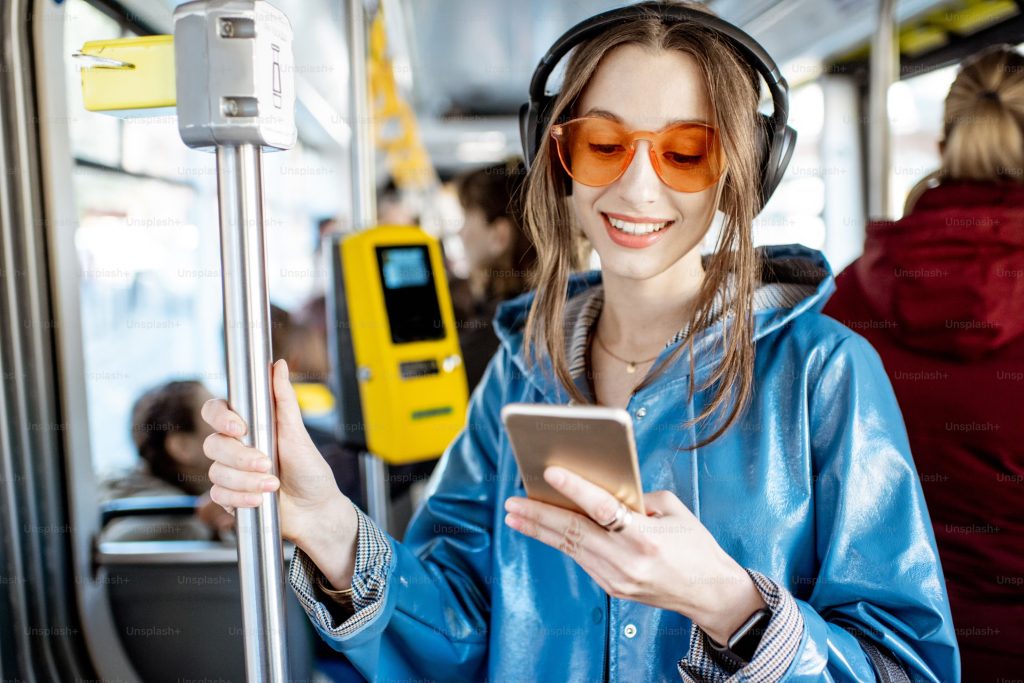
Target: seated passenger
[
  {"x": 940, "y": 295},
  {"x": 500, "y": 257},
  {"x": 168, "y": 434},
  {"x": 786, "y": 537}
]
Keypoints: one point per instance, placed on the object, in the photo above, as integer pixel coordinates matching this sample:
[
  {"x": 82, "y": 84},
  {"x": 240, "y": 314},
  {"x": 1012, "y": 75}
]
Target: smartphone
[{"x": 594, "y": 442}]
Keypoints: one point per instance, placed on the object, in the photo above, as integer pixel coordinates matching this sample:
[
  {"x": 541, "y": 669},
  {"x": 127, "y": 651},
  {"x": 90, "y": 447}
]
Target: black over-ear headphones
[{"x": 778, "y": 138}]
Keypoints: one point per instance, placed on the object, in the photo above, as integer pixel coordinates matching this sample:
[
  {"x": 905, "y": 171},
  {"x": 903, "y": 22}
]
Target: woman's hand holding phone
[
  {"x": 314, "y": 514},
  {"x": 667, "y": 559}
]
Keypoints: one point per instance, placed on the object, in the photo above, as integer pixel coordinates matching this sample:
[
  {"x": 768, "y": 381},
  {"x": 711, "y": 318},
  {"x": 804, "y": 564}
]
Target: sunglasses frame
[{"x": 558, "y": 134}]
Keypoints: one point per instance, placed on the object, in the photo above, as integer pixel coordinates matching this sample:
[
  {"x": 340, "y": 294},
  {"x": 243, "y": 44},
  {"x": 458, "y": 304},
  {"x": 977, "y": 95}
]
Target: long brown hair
[
  {"x": 984, "y": 118},
  {"x": 731, "y": 86}
]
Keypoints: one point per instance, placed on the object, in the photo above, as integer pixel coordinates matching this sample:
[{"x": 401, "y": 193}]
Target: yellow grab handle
[{"x": 128, "y": 75}]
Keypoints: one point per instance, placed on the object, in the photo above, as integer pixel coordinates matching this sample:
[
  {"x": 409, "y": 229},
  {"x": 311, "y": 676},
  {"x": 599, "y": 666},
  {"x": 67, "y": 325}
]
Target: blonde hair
[
  {"x": 984, "y": 119},
  {"x": 732, "y": 88}
]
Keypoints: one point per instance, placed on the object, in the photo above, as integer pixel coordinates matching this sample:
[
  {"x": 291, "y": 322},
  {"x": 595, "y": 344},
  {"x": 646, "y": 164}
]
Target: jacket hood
[
  {"x": 785, "y": 270},
  {"x": 950, "y": 275}
]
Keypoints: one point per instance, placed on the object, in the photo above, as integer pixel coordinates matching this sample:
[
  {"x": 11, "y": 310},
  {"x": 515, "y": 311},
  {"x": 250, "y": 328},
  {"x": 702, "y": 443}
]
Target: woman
[
  {"x": 939, "y": 294},
  {"x": 787, "y": 538},
  {"x": 500, "y": 256}
]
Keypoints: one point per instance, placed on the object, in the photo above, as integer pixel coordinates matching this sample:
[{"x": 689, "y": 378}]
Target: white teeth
[{"x": 636, "y": 228}]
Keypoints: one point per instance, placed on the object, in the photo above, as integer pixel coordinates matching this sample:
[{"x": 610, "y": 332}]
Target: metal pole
[
  {"x": 885, "y": 64},
  {"x": 364, "y": 210},
  {"x": 247, "y": 340},
  {"x": 364, "y": 185},
  {"x": 377, "y": 491}
]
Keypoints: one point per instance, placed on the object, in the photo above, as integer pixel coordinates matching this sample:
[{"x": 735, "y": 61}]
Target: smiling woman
[
  {"x": 657, "y": 78},
  {"x": 780, "y": 483}
]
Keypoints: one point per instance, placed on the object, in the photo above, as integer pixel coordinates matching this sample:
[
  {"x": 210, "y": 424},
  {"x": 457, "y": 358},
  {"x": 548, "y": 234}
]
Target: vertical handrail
[
  {"x": 364, "y": 186},
  {"x": 364, "y": 208},
  {"x": 247, "y": 340},
  {"x": 885, "y": 61}
]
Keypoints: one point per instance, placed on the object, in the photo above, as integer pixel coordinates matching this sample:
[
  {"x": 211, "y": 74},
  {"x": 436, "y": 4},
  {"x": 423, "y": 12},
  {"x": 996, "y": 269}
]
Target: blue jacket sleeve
[
  {"x": 434, "y": 607},
  {"x": 880, "y": 584}
]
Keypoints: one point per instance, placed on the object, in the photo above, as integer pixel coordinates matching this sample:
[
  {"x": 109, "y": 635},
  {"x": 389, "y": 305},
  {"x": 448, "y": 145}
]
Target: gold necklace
[{"x": 631, "y": 365}]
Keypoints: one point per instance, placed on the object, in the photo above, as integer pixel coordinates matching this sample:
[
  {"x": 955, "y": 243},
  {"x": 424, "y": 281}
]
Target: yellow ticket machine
[{"x": 398, "y": 367}]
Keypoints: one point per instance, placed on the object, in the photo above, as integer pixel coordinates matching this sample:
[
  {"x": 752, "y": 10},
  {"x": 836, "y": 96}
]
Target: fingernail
[
  {"x": 512, "y": 521},
  {"x": 234, "y": 428},
  {"x": 554, "y": 476},
  {"x": 269, "y": 484},
  {"x": 263, "y": 464},
  {"x": 512, "y": 506}
]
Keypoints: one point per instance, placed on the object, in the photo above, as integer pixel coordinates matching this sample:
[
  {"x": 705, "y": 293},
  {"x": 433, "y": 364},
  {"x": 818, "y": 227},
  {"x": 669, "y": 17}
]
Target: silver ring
[{"x": 623, "y": 516}]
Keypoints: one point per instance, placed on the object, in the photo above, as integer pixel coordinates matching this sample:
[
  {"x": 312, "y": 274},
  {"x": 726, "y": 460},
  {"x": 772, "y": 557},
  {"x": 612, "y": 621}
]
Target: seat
[{"x": 177, "y": 603}]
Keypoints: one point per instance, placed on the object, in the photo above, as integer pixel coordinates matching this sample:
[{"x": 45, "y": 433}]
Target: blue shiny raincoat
[{"x": 813, "y": 490}]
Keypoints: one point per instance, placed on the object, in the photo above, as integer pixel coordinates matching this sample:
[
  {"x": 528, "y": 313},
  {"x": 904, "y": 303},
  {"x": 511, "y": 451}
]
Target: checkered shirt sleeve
[
  {"x": 345, "y": 617},
  {"x": 774, "y": 654}
]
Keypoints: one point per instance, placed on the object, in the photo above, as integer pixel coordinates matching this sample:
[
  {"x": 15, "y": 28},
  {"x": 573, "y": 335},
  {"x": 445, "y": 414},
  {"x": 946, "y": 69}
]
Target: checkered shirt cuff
[
  {"x": 774, "y": 654},
  {"x": 373, "y": 560}
]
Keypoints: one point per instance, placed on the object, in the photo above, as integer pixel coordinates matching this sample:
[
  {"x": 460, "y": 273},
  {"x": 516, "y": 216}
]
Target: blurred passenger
[
  {"x": 940, "y": 294},
  {"x": 393, "y": 208},
  {"x": 168, "y": 434},
  {"x": 500, "y": 256},
  {"x": 314, "y": 312},
  {"x": 307, "y": 351}
]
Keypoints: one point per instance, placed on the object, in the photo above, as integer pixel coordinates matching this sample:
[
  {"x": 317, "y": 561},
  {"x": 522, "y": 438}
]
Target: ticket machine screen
[{"x": 410, "y": 297}]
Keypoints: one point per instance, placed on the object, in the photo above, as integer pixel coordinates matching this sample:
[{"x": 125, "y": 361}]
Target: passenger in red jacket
[{"x": 940, "y": 295}]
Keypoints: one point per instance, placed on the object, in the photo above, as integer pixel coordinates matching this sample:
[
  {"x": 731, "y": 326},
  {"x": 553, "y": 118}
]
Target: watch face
[{"x": 743, "y": 644}]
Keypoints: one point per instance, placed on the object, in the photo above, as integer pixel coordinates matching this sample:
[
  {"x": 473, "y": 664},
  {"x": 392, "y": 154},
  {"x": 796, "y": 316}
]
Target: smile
[
  {"x": 637, "y": 228},
  {"x": 633, "y": 232}
]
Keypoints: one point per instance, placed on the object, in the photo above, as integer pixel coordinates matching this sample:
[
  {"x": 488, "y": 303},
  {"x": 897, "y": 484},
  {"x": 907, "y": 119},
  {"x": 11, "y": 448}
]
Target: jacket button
[
  {"x": 597, "y": 615},
  {"x": 629, "y": 631},
  {"x": 640, "y": 413}
]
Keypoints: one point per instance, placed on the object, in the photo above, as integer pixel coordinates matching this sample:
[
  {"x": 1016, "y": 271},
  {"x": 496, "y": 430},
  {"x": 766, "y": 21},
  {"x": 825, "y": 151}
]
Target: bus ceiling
[{"x": 467, "y": 81}]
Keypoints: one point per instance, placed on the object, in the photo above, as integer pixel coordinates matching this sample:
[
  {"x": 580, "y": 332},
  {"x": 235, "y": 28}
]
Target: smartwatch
[{"x": 742, "y": 644}]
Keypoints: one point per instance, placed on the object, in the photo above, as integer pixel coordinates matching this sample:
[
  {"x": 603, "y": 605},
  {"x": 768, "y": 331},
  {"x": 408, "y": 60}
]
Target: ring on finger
[{"x": 623, "y": 516}]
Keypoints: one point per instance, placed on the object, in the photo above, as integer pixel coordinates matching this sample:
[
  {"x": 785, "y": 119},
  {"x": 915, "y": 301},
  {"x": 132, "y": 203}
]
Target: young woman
[{"x": 787, "y": 537}]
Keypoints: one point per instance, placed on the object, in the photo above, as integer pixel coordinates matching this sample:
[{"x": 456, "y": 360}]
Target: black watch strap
[{"x": 742, "y": 644}]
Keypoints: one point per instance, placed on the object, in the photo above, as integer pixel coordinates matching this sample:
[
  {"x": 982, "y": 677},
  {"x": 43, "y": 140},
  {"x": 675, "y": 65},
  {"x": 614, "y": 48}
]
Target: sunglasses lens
[
  {"x": 596, "y": 151},
  {"x": 688, "y": 157},
  {"x": 593, "y": 151}
]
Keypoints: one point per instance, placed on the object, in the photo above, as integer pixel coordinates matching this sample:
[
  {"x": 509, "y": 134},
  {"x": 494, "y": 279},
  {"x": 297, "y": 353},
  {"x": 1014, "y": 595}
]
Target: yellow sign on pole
[{"x": 128, "y": 75}]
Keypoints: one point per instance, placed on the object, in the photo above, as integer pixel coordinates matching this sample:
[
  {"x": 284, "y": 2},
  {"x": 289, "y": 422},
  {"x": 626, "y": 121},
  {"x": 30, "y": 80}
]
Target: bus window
[
  {"x": 915, "y": 113},
  {"x": 94, "y": 137},
  {"x": 149, "y": 253},
  {"x": 150, "y": 287},
  {"x": 794, "y": 213}
]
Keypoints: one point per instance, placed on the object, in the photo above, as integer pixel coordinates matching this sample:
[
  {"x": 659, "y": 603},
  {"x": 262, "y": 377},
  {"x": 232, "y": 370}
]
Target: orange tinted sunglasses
[{"x": 596, "y": 151}]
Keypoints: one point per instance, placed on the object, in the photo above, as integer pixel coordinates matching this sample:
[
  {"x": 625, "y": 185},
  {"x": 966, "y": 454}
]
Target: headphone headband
[{"x": 780, "y": 138}]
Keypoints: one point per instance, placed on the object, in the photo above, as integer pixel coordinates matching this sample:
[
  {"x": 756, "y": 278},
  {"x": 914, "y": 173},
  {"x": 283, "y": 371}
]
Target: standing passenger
[
  {"x": 940, "y": 295},
  {"x": 501, "y": 257},
  {"x": 788, "y": 538}
]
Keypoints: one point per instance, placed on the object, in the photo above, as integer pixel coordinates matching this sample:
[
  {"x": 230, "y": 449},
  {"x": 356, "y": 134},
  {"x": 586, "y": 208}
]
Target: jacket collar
[{"x": 794, "y": 280}]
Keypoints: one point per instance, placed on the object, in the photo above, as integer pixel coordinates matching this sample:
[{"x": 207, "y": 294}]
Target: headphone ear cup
[
  {"x": 776, "y": 152},
  {"x": 533, "y": 121},
  {"x": 765, "y": 143},
  {"x": 526, "y": 135}
]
